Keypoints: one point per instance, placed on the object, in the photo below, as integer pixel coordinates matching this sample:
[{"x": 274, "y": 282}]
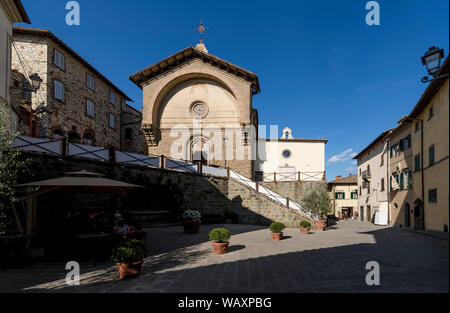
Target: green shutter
[
  {"x": 343, "y": 195},
  {"x": 402, "y": 184},
  {"x": 336, "y": 195}
]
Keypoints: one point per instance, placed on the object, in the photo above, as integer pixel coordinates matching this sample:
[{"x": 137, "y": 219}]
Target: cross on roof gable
[{"x": 185, "y": 55}]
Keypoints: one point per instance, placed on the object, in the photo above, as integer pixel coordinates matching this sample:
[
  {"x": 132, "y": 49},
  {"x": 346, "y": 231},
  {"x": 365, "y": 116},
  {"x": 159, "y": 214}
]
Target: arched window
[
  {"x": 57, "y": 133},
  {"x": 88, "y": 139}
]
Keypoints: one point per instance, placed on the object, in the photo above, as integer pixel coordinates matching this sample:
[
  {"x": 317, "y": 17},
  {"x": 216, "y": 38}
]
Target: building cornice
[{"x": 15, "y": 11}]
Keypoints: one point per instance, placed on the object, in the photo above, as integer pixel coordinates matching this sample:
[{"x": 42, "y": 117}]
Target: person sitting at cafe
[{"x": 121, "y": 228}]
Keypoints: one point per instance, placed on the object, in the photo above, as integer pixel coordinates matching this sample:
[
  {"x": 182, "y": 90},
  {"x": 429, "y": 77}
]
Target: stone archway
[{"x": 199, "y": 150}]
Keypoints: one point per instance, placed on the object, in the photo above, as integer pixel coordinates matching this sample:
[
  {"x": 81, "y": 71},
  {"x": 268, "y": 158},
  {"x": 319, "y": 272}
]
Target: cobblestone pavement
[{"x": 330, "y": 261}]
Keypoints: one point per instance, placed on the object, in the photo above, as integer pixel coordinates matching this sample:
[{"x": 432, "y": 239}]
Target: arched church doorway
[
  {"x": 418, "y": 215},
  {"x": 199, "y": 151}
]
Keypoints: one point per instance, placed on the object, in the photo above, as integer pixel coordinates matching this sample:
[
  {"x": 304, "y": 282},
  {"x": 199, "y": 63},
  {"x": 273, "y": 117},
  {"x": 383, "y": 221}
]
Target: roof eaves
[{"x": 49, "y": 34}]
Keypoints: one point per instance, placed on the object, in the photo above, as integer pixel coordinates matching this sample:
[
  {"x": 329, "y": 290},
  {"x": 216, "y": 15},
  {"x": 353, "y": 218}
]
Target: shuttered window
[
  {"x": 90, "y": 108},
  {"x": 417, "y": 163},
  {"x": 90, "y": 82},
  {"x": 59, "y": 59},
  {"x": 431, "y": 155},
  {"x": 112, "y": 121},
  {"x": 58, "y": 90},
  {"x": 112, "y": 97},
  {"x": 402, "y": 183}
]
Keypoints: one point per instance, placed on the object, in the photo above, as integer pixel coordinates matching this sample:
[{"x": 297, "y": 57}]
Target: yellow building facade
[{"x": 430, "y": 142}]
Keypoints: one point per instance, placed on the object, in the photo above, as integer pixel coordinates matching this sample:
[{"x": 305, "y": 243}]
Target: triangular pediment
[{"x": 176, "y": 60}]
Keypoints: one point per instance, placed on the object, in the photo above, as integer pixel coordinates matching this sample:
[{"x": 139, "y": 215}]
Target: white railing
[
  {"x": 88, "y": 152},
  {"x": 270, "y": 194},
  {"x": 56, "y": 147},
  {"x": 50, "y": 146},
  {"x": 137, "y": 159}
]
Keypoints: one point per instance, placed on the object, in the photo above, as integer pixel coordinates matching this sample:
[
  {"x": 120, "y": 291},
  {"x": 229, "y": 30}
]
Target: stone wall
[
  {"x": 166, "y": 190},
  {"x": 254, "y": 208},
  {"x": 294, "y": 190},
  {"x": 132, "y": 119}
]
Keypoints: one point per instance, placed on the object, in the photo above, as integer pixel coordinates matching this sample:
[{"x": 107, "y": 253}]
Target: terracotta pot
[
  {"x": 305, "y": 230},
  {"x": 320, "y": 225},
  {"x": 191, "y": 227},
  {"x": 129, "y": 270},
  {"x": 220, "y": 247},
  {"x": 277, "y": 236}
]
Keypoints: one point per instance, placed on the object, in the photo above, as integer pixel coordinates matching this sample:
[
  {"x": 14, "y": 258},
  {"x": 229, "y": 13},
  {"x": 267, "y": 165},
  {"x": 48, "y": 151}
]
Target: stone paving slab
[{"x": 330, "y": 261}]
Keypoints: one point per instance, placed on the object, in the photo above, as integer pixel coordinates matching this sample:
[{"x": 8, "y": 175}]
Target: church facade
[{"x": 199, "y": 108}]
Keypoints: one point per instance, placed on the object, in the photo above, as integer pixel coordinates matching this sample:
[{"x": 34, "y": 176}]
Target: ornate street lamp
[
  {"x": 36, "y": 81},
  {"x": 432, "y": 60}
]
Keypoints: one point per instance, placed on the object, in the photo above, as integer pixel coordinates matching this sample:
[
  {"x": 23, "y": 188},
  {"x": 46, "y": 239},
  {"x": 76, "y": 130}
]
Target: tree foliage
[
  {"x": 317, "y": 201},
  {"x": 15, "y": 168}
]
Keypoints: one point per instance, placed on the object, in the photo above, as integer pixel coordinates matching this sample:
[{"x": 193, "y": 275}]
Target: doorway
[
  {"x": 407, "y": 215},
  {"x": 369, "y": 214},
  {"x": 419, "y": 223},
  {"x": 199, "y": 151}
]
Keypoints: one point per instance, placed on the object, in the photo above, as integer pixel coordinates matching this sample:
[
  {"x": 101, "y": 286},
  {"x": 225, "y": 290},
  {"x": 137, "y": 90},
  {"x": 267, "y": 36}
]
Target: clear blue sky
[{"x": 322, "y": 70}]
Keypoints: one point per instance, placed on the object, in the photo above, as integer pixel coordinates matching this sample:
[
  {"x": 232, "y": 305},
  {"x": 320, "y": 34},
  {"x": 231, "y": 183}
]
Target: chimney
[{"x": 338, "y": 177}]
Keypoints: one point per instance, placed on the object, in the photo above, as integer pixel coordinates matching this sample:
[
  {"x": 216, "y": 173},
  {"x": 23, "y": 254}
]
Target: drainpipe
[
  {"x": 121, "y": 124},
  {"x": 388, "y": 182}
]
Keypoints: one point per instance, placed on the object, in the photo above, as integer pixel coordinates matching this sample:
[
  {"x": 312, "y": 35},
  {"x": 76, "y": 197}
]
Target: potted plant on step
[
  {"x": 220, "y": 238},
  {"x": 129, "y": 256},
  {"x": 317, "y": 202},
  {"x": 305, "y": 227},
  {"x": 276, "y": 229},
  {"x": 191, "y": 221}
]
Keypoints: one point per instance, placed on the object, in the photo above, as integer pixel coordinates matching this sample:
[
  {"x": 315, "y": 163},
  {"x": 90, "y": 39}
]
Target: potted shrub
[
  {"x": 231, "y": 217},
  {"x": 305, "y": 227},
  {"x": 277, "y": 230},
  {"x": 220, "y": 238},
  {"x": 191, "y": 221},
  {"x": 317, "y": 202},
  {"x": 129, "y": 256}
]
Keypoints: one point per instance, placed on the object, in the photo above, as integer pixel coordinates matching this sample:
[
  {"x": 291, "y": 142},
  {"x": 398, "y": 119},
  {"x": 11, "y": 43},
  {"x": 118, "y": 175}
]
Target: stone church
[{"x": 198, "y": 107}]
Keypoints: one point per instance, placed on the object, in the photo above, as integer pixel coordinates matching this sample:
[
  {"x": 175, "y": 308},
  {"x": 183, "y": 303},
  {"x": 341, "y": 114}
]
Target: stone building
[
  {"x": 74, "y": 100},
  {"x": 291, "y": 159},
  {"x": 344, "y": 196},
  {"x": 430, "y": 146},
  {"x": 133, "y": 139},
  {"x": 400, "y": 173},
  {"x": 373, "y": 181},
  {"x": 198, "y": 107},
  {"x": 11, "y": 11}
]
